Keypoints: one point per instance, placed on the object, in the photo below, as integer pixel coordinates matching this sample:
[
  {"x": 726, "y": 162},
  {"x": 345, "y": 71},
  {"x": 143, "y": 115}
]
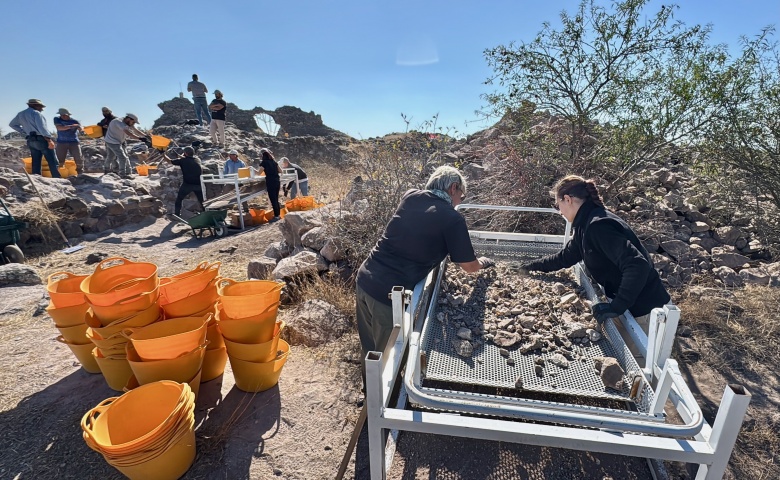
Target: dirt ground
[{"x": 298, "y": 430}]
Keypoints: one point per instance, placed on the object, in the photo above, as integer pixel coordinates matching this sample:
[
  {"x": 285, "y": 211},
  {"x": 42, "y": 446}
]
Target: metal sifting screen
[{"x": 486, "y": 367}]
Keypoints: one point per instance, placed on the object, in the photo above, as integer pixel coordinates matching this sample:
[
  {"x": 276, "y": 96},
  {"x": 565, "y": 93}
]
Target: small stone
[
  {"x": 593, "y": 335},
  {"x": 610, "y": 371},
  {"x": 510, "y": 362},
  {"x": 540, "y": 361},
  {"x": 568, "y": 298},
  {"x": 506, "y": 339},
  {"x": 464, "y": 333},
  {"x": 559, "y": 361},
  {"x": 503, "y": 352},
  {"x": 519, "y": 383},
  {"x": 539, "y": 370},
  {"x": 463, "y": 347}
]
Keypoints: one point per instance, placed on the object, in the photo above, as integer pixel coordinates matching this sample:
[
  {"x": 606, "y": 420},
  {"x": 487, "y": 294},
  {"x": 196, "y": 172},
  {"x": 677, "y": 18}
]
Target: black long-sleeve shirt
[
  {"x": 615, "y": 258},
  {"x": 190, "y": 169}
]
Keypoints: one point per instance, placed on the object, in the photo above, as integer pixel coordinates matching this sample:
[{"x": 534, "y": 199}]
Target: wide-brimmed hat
[
  {"x": 63, "y": 111},
  {"x": 106, "y": 110},
  {"x": 217, "y": 92},
  {"x": 35, "y": 101},
  {"x": 134, "y": 117},
  {"x": 233, "y": 152}
]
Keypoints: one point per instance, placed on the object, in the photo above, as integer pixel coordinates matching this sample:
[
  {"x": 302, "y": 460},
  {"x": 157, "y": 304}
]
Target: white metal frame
[
  {"x": 565, "y": 427},
  {"x": 287, "y": 175}
]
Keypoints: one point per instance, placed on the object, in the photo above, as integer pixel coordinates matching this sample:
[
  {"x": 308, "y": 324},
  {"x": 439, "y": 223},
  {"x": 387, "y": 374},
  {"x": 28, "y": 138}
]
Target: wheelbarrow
[
  {"x": 212, "y": 221},
  {"x": 9, "y": 236}
]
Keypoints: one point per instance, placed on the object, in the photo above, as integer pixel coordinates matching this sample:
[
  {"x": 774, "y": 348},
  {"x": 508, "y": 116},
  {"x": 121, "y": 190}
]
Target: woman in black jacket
[
  {"x": 272, "y": 181},
  {"x": 612, "y": 253}
]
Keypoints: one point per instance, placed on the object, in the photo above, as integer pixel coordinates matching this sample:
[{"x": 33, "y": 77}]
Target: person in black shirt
[
  {"x": 191, "y": 170},
  {"x": 611, "y": 251},
  {"x": 217, "y": 108},
  {"x": 423, "y": 231},
  {"x": 272, "y": 181},
  {"x": 107, "y": 117}
]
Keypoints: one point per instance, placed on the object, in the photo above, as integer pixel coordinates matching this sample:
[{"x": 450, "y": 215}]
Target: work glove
[
  {"x": 485, "y": 262},
  {"x": 520, "y": 269},
  {"x": 603, "y": 311}
]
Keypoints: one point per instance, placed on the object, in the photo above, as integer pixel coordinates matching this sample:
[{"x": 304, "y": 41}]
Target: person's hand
[
  {"x": 519, "y": 268},
  {"x": 485, "y": 262},
  {"x": 603, "y": 311}
]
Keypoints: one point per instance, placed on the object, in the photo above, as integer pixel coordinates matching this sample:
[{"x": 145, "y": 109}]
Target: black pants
[
  {"x": 185, "y": 190},
  {"x": 272, "y": 185}
]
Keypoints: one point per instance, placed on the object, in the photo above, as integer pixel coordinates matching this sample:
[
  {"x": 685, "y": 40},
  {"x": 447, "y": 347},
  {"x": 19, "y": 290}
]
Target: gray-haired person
[
  {"x": 423, "y": 231},
  {"x": 303, "y": 179},
  {"x": 116, "y": 135}
]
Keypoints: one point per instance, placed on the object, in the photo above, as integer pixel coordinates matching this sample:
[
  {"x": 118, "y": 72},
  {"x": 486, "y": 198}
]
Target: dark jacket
[
  {"x": 190, "y": 169},
  {"x": 104, "y": 123},
  {"x": 615, "y": 258}
]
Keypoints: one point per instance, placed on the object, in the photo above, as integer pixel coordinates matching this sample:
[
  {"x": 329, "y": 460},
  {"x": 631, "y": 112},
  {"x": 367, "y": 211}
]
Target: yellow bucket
[
  {"x": 160, "y": 143},
  {"x": 194, "y": 383},
  {"x": 214, "y": 363},
  {"x": 136, "y": 320},
  {"x": 65, "y": 289},
  {"x": 170, "y": 338},
  {"x": 189, "y": 283},
  {"x": 115, "y": 368},
  {"x": 180, "y": 369},
  {"x": 213, "y": 336},
  {"x": 244, "y": 172},
  {"x": 257, "y": 377},
  {"x": 248, "y": 298},
  {"x": 256, "y": 352},
  {"x": 76, "y": 334},
  {"x": 108, "y": 314},
  {"x": 83, "y": 353},
  {"x": 197, "y": 302},
  {"x": 93, "y": 131},
  {"x": 171, "y": 463},
  {"x": 114, "y": 342},
  {"x": 68, "y": 316}
]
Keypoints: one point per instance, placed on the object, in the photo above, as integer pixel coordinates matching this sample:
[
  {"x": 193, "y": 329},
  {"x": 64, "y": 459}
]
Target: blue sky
[{"x": 359, "y": 64}]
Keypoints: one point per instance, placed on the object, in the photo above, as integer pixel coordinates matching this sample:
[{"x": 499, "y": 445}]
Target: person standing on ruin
[
  {"x": 272, "y": 181},
  {"x": 199, "y": 92},
  {"x": 107, "y": 117},
  {"x": 217, "y": 107},
  {"x": 32, "y": 124},
  {"x": 116, "y": 153},
  {"x": 68, "y": 129}
]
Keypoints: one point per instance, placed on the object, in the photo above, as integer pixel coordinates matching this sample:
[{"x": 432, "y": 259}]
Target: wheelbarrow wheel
[
  {"x": 220, "y": 230},
  {"x": 13, "y": 254}
]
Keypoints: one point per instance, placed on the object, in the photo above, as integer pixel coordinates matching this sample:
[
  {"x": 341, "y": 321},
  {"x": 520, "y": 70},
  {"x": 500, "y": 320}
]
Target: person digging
[{"x": 191, "y": 170}]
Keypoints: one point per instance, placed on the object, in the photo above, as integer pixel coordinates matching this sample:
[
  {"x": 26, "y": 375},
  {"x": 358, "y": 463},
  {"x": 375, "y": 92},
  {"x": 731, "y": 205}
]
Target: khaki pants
[
  {"x": 214, "y": 127},
  {"x": 75, "y": 151}
]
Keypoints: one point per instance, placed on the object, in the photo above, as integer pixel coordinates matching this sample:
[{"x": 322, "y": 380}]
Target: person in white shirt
[{"x": 117, "y": 133}]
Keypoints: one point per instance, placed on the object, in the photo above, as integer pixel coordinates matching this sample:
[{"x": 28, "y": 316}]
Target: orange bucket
[
  {"x": 114, "y": 368},
  {"x": 83, "y": 353},
  {"x": 256, "y": 329},
  {"x": 170, "y": 338},
  {"x": 256, "y": 352},
  {"x": 197, "y": 302},
  {"x": 68, "y": 316},
  {"x": 109, "y": 344},
  {"x": 93, "y": 131},
  {"x": 179, "y": 369},
  {"x": 214, "y": 363},
  {"x": 136, "y": 320},
  {"x": 116, "y": 279},
  {"x": 257, "y": 377},
  {"x": 76, "y": 334},
  {"x": 65, "y": 289},
  {"x": 128, "y": 307},
  {"x": 213, "y": 336},
  {"x": 248, "y": 298},
  {"x": 189, "y": 283}
]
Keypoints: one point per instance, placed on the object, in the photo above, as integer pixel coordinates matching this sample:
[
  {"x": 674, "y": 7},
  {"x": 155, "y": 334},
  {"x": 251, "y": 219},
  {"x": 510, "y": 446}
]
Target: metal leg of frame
[
  {"x": 375, "y": 402},
  {"x": 725, "y": 429},
  {"x": 666, "y": 340}
]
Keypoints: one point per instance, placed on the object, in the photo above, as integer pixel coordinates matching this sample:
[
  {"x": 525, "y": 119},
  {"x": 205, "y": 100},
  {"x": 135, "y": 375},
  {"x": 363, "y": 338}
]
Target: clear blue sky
[{"x": 359, "y": 64}]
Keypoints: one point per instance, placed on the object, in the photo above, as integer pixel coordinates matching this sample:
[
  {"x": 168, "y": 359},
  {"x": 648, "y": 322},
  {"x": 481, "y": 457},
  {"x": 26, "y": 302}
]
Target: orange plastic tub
[
  {"x": 214, "y": 363},
  {"x": 197, "y": 302},
  {"x": 114, "y": 368},
  {"x": 248, "y": 298},
  {"x": 83, "y": 353},
  {"x": 180, "y": 369},
  {"x": 65, "y": 289},
  {"x": 93, "y": 131},
  {"x": 256, "y": 352},
  {"x": 258, "y": 377},
  {"x": 187, "y": 284},
  {"x": 76, "y": 334},
  {"x": 170, "y": 338},
  {"x": 116, "y": 279},
  {"x": 68, "y": 316},
  {"x": 128, "y": 307},
  {"x": 159, "y": 142},
  {"x": 135, "y": 320},
  {"x": 256, "y": 329}
]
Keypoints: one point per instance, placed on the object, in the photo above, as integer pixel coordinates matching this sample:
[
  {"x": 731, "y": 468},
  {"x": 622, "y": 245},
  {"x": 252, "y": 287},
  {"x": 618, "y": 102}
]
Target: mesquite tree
[{"x": 632, "y": 80}]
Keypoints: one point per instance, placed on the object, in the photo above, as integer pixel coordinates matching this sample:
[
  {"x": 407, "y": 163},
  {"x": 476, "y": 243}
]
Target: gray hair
[
  {"x": 284, "y": 160},
  {"x": 443, "y": 177}
]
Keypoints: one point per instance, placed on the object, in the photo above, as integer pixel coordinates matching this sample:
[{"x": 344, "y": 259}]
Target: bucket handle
[
  {"x": 60, "y": 274},
  {"x": 224, "y": 282},
  {"x": 61, "y": 339},
  {"x": 124, "y": 333},
  {"x": 119, "y": 261},
  {"x": 88, "y": 420}
]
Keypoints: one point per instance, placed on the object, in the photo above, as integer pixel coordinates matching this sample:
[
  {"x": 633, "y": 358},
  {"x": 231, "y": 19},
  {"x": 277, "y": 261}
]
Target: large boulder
[
  {"x": 303, "y": 263},
  {"x": 731, "y": 260},
  {"x": 315, "y": 323},
  {"x": 260, "y": 268},
  {"x": 18, "y": 274},
  {"x": 295, "y": 224}
]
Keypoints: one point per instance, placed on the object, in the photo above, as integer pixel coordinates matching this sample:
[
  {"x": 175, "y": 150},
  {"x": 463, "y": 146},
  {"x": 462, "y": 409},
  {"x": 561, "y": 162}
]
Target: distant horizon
[{"x": 359, "y": 65}]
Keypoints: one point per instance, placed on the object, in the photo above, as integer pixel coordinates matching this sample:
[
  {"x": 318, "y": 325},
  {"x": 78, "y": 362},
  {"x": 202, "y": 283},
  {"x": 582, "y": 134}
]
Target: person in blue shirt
[
  {"x": 32, "y": 124},
  {"x": 68, "y": 129},
  {"x": 233, "y": 163}
]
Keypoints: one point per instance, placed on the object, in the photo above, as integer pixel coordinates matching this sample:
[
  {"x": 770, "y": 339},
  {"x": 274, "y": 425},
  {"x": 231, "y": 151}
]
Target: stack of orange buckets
[
  {"x": 147, "y": 433},
  {"x": 122, "y": 296},
  {"x": 67, "y": 307},
  {"x": 194, "y": 294},
  {"x": 246, "y": 318}
]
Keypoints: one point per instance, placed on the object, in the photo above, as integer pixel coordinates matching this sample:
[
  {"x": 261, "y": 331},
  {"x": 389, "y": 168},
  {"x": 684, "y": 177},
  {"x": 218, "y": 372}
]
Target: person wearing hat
[
  {"x": 191, "y": 170},
  {"x": 233, "y": 163},
  {"x": 272, "y": 181},
  {"x": 68, "y": 129},
  {"x": 303, "y": 179},
  {"x": 32, "y": 124},
  {"x": 217, "y": 107},
  {"x": 107, "y": 117},
  {"x": 118, "y": 131},
  {"x": 199, "y": 92}
]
